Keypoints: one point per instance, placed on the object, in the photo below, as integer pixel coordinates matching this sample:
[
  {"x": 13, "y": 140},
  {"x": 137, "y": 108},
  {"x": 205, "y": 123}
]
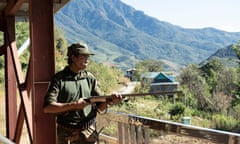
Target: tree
[
  {"x": 147, "y": 66},
  {"x": 227, "y": 80},
  {"x": 109, "y": 78},
  {"x": 22, "y": 33},
  {"x": 221, "y": 81},
  {"x": 221, "y": 102},
  {"x": 188, "y": 76},
  {"x": 211, "y": 71},
  {"x": 150, "y": 65},
  {"x": 60, "y": 48},
  {"x": 236, "y": 95},
  {"x": 192, "y": 80}
]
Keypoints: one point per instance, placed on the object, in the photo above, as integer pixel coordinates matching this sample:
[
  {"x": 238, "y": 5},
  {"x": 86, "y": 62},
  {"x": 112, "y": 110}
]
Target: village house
[
  {"x": 159, "y": 81},
  {"x": 129, "y": 73}
]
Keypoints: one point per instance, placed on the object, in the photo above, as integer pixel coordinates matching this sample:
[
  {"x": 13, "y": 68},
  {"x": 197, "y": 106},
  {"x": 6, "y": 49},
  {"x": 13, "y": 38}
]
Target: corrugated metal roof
[{"x": 158, "y": 77}]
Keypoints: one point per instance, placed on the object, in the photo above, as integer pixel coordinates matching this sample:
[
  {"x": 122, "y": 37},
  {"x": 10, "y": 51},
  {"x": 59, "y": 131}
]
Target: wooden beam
[
  {"x": 58, "y": 4},
  {"x": 13, "y": 6},
  {"x": 10, "y": 78},
  {"x": 19, "y": 126},
  {"x": 23, "y": 93},
  {"x": 2, "y": 22},
  {"x": 26, "y": 86}
]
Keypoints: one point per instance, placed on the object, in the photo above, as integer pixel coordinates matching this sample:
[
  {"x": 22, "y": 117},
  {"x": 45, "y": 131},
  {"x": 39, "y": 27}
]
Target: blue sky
[{"x": 220, "y": 14}]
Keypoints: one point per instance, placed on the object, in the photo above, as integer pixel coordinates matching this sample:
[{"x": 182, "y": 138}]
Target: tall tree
[
  {"x": 60, "y": 48},
  {"x": 236, "y": 95},
  {"x": 192, "y": 80},
  {"x": 211, "y": 71}
]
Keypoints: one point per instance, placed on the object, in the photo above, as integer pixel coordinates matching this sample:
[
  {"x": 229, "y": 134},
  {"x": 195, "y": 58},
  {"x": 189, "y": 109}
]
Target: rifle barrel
[
  {"x": 144, "y": 94},
  {"x": 105, "y": 97},
  {"x": 150, "y": 93}
]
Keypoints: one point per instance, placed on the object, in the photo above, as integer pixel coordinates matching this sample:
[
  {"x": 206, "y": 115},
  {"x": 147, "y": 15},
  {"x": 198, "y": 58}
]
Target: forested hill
[
  {"x": 226, "y": 55},
  {"x": 120, "y": 34}
]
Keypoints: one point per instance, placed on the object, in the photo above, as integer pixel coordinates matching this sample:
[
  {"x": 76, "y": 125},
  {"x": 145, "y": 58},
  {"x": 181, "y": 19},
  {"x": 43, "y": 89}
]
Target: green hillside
[
  {"x": 121, "y": 35},
  {"x": 226, "y": 55}
]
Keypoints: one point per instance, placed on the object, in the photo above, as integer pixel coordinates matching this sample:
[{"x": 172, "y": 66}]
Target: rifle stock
[{"x": 106, "y": 98}]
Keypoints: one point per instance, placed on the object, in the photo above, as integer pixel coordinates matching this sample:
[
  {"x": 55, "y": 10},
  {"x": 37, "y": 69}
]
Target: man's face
[{"x": 80, "y": 62}]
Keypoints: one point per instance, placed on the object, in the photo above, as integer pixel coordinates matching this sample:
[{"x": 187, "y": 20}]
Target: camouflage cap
[{"x": 78, "y": 48}]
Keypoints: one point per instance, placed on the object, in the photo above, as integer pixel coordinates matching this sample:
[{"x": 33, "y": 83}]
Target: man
[{"x": 65, "y": 97}]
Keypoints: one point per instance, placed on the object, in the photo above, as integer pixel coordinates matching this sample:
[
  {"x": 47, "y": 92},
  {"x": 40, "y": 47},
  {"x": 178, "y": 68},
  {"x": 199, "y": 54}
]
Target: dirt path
[{"x": 128, "y": 89}]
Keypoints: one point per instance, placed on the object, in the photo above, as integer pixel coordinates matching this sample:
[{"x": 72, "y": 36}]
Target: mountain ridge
[
  {"x": 225, "y": 55},
  {"x": 122, "y": 35}
]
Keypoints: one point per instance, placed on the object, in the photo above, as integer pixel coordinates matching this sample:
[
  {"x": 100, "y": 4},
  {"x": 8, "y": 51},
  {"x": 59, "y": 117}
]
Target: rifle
[{"x": 108, "y": 98}]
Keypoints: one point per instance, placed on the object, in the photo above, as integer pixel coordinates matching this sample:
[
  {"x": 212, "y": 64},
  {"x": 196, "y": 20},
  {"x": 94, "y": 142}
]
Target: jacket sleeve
[{"x": 52, "y": 92}]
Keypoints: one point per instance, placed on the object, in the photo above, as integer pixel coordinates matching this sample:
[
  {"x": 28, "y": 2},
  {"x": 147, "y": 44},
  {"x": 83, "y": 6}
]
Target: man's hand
[
  {"x": 116, "y": 98},
  {"x": 81, "y": 103}
]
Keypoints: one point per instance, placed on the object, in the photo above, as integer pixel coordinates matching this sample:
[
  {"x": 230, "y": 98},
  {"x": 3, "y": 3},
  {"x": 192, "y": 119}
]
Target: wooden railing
[{"x": 134, "y": 129}]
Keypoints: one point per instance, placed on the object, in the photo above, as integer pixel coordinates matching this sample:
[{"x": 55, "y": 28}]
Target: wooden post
[{"x": 43, "y": 64}]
